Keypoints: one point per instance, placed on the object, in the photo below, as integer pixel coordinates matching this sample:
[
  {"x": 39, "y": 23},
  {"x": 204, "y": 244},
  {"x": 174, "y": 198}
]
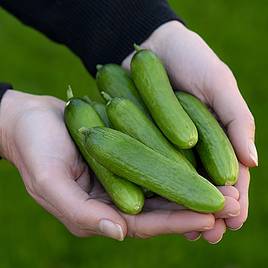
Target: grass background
[{"x": 30, "y": 237}]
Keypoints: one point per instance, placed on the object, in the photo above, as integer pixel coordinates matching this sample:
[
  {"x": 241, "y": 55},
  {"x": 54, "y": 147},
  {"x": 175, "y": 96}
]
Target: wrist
[{"x": 12, "y": 107}]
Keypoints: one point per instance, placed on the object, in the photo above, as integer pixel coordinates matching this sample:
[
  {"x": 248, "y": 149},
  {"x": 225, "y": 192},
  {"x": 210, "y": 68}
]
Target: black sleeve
[
  {"x": 98, "y": 31},
  {"x": 3, "y": 88}
]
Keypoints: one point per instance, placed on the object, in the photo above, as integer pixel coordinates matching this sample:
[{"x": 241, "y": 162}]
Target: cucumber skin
[
  {"x": 131, "y": 159},
  {"x": 189, "y": 155},
  {"x": 214, "y": 148},
  {"x": 127, "y": 196},
  {"x": 116, "y": 81},
  {"x": 100, "y": 108},
  {"x": 129, "y": 119},
  {"x": 151, "y": 80}
]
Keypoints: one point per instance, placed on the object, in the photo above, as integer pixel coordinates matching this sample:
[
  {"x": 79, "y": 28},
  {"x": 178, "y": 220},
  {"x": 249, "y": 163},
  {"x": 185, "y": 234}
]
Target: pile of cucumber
[{"x": 148, "y": 140}]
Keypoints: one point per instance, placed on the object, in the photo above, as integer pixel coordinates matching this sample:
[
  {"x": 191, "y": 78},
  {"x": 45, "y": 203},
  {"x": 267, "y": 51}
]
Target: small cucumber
[
  {"x": 100, "y": 108},
  {"x": 127, "y": 157},
  {"x": 189, "y": 155},
  {"x": 151, "y": 80},
  {"x": 214, "y": 148},
  {"x": 127, "y": 196},
  {"x": 128, "y": 118},
  {"x": 116, "y": 81}
]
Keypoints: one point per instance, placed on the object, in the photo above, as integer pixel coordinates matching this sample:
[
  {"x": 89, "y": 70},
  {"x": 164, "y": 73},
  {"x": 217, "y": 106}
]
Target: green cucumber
[
  {"x": 151, "y": 80},
  {"x": 214, "y": 148},
  {"x": 116, "y": 81},
  {"x": 127, "y": 157},
  {"x": 100, "y": 108},
  {"x": 127, "y": 196},
  {"x": 189, "y": 155},
  {"x": 128, "y": 118}
]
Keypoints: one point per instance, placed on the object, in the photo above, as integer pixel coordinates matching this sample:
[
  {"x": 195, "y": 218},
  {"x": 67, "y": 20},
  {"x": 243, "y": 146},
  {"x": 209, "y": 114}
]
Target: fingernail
[
  {"x": 235, "y": 229},
  {"x": 111, "y": 229},
  {"x": 214, "y": 243},
  {"x": 195, "y": 239},
  {"x": 253, "y": 153}
]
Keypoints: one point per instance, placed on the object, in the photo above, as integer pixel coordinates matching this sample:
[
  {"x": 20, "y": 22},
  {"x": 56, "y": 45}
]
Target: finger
[
  {"x": 192, "y": 236},
  {"x": 78, "y": 209},
  {"x": 230, "y": 191},
  {"x": 149, "y": 224},
  {"x": 215, "y": 235},
  {"x": 71, "y": 227},
  {"x": 231, "y": 208},
  {"x": 242, "y": 186},
  {"x": 84, "y": 181},
  {"x": 158, "y": 203},
  {"x": 235, "y": 115}
]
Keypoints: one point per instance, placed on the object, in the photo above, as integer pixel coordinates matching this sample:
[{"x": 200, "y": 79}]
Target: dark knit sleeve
[
  {"x": 3, "y": 88},
  {"x": 98, "y": 31}
]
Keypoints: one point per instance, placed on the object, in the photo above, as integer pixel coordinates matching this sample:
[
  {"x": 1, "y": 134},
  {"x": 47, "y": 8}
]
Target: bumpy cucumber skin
[
  {"x": 132, "y": 159},
  {"x": 214, "y": 148},
  {"x": 127, "y": 196},
  {"x": 151, "y": 80},
  {"x": 189, "y": 155},
  {"x": 100, "y": 108},
  {"x": 129, "y": 119},
  {"x": 116, "y": 81}
]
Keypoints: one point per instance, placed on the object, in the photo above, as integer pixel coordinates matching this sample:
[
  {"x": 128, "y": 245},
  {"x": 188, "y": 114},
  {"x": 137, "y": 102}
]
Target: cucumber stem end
[
  {"x": 106, "y": 97},
  {"x": 87, "y": 99},
  {"x": 69, "y": 93},
  {"x": 99, "y": 66},
  {"x": 137, "y": 47}
]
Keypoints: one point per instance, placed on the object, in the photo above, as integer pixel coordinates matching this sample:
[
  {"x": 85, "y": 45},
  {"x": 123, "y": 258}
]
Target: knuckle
[
  {"x": 78, "y": 233},
  {"x": 135, "y": 231},
  {"x": 79, "y": 218},
  {"x": 137, "y": 234},
  {"x": 40, "y": 182},
  {"x": 249, "y": 120},
  {"x": 210, "y": 221},
  {"x": 223, "y": 75}
]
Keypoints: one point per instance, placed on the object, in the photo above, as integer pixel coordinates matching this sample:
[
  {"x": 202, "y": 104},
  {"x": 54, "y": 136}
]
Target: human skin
[
  {"x": 193, "y": 67},
  {"x": 34, "y": 138}
]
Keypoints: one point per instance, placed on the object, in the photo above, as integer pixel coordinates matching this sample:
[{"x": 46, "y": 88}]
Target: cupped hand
[
  {"x": 193, "y": 67},
  {"x": 34, "y": 138}
]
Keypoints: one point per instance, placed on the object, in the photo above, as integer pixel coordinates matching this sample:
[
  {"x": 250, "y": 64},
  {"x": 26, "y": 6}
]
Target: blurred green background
[{"x": 30, "y": 237}]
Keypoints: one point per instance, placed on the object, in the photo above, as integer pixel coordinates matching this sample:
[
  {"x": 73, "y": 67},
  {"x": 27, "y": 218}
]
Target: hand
[
  {"x": 193, "y": 67},
  {"x": 34, "y": 138}
]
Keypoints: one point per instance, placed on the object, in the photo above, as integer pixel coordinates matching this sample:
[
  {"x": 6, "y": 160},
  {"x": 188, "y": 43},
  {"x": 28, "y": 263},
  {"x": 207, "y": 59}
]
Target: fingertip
[
  {"x": 215, "y": 235},
  {"x": 253, "y": 154},
  {"x": 236, "y": 223},
  {"x": 230, "y": 191},
  {"x": 192, "y": 236},
  {"x": 110, "y": 229},
  {"x": 210, "y": 222},
  {"x": 231, "y": 208}
]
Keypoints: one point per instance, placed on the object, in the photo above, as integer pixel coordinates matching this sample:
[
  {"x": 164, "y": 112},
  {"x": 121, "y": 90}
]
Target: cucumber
[
  {"x": 214, "y": 148},
  {"x": 100, "y": 108},
  {"x": 127, "y": 196},
  {"x": 151, "y": 80},
  {"x": 189, "y": 155},
  {"x": 128, "y": 118},
  {"x": 127, "y": 157},
  {"x": 116, "y": 81}
]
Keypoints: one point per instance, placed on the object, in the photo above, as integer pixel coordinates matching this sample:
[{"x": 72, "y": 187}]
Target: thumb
[
  {"x": 233, "y": 112},
  {"x": 83, "y": 215}
]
